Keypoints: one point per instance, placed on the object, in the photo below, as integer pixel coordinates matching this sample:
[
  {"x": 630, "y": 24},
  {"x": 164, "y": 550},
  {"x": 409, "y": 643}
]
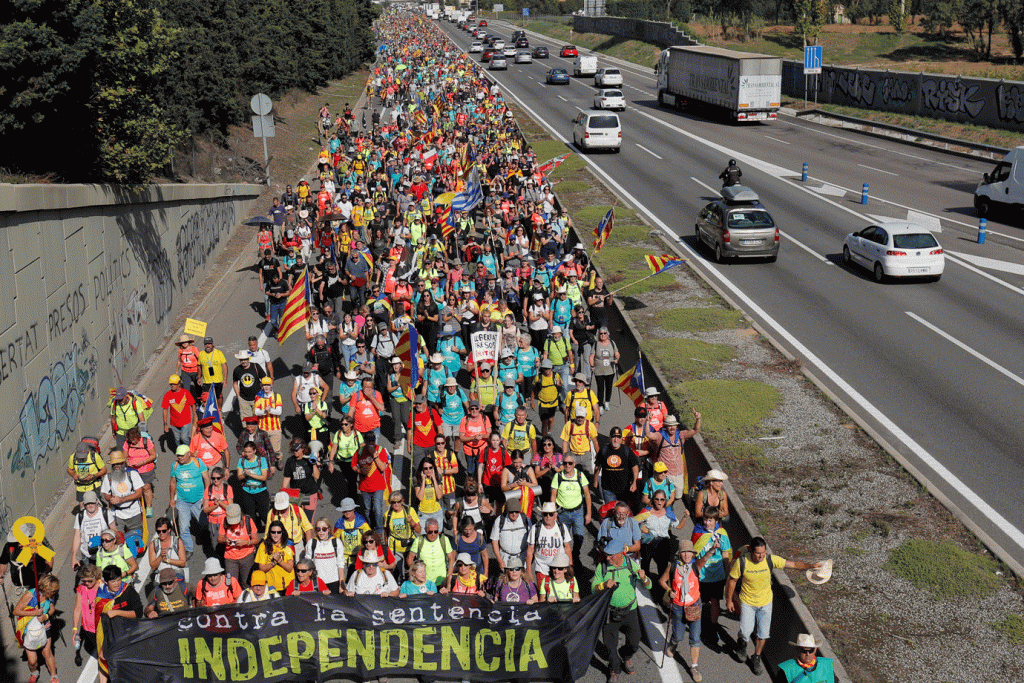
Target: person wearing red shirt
[
  {"x": 371, "y": 466},
  {"x": 492, "y": 463},
  {"x": 426, "y": 423},
  {"x": 365, "y": 407},
  {"x": 179, "y": 412},
  {"x": 216, "y": 588},
  {"x": 306, "y": 580}
]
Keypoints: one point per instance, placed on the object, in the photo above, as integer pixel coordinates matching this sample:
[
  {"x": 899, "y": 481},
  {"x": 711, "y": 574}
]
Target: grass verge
[
  {"x": 686, "y": 359},
  {"x": 1011, "y": 628},
  {"x": 699, "y": 319},
  {"x": 732, "y": 408},
  {"x": 944, "y": 569}
]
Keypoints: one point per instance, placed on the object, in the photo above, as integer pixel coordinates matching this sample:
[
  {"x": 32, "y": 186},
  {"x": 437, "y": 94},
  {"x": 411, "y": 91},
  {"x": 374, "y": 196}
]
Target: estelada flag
[
  {"x": 659, "y": 264},
  {"x": 296, "y": 309},
  {"x": 604, "y": 229},
  {"x": 554, "y": 163},
  {"x": 631, "y": 384}
]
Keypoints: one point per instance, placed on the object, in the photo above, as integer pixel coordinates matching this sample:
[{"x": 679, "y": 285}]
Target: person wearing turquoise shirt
[{"x": 808, "y": 666}]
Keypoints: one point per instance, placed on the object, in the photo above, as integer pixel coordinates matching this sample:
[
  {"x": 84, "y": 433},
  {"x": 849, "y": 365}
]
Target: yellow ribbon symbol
[{"x": 31, "y": 545}]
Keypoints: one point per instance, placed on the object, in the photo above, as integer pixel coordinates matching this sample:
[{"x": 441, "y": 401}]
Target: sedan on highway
[
  {"x": 523, "y": 42},
  {"x": 569, "y": 51},
  {"x": 524, "y": 57},
  {"x": 483, "y": 22},
  {"x": 609, "y": 99},
  {"x": 487, "y": 54},
  {"x": 540, "y": 52},
  {"x": 738, "y": 225},
  {"x": 558, "y": 76},
  {"x": 895, "y": 249},
  {"x": 476, "y": 46},
  {"x": 499, "y": 63},
  {"x": 509, "y": 51},
  {"x": 498, "y": 44},
  {"x": 605, "y": 78}
]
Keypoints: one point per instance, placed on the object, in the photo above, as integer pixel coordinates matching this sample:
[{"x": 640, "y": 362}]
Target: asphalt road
[{"x": 932, "y": 368}]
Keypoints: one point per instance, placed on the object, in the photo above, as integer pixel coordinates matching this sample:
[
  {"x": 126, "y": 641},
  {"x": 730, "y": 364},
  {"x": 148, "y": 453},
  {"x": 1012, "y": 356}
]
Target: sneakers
[
  {"x": 755, "y": 664},
  {"x": 149, "y": 512},
  {"x": 613, "y": 677},
  {"x": 695, "y": 672},
  {"x": 54, "y": 679},
  {"x": 628, "y": 667}
]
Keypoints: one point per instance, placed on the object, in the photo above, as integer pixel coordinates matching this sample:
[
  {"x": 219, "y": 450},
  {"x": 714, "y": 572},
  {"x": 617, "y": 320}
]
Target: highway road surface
[{"x": 934, "y": 369}]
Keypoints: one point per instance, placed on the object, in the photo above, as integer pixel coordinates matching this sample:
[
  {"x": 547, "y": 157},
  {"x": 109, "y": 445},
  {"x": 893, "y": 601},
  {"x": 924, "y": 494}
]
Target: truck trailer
[{"x": 745, "y": 85}]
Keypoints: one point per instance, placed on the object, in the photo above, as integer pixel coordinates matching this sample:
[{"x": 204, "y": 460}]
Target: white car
[
  {"x": 609, "y": 99},
  {"x": 498, "y": 63},
  {"x": 509, "y": 51},
  {"x": 498, "y": 44},
  {"x": 477, "y": 46},
  {"x": 607, "y": 77},
  {"x": 524, "y": 57},
  {"x": 895, "y": 249}
]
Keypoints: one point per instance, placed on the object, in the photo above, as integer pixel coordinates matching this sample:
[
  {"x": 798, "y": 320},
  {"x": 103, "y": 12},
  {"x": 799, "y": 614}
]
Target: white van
[
  {"x": 585, "y": 65},
  {"x": 597, "y": 131},
  {"x": 1004, "y": 186}
]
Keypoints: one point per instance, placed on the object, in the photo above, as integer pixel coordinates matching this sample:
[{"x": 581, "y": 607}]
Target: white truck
[
  {"x": 1003, "y": 187},
  {"x": 746, "y": 85},
  {"x": 585, "y": 65},
  {"x": 449, "y": 12}
]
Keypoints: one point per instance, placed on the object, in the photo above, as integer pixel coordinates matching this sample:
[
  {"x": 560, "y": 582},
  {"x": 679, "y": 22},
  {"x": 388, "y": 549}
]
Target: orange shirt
[
  {"x": 364, "y": 412},
  {"x": 208, "y": 450},
  {"x": 225, "y": 593}
]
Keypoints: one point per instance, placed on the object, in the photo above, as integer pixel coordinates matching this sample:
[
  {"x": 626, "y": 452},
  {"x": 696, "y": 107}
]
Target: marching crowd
[{"x": 425, "y": 226}]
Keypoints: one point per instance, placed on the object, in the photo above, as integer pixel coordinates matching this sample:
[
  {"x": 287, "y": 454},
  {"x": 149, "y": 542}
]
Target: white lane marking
[
  {"x": 925, "y": 220},
  {"x": 881, "y": 219},
  {"x": 872, "y": 168},
  {"x": 929, "y": 461},
  {"x": 798, "y": 123},
  {"x": 565, "y": 100},
  {"x": 778, "y": 140},
  {"x": 705, "y": 185},
  {"x": 649, "y": 151},
  {"x": 984, "y": 359},
  {"x": 990, "y": 263},
  {"x": 830, "y": 190},
  {"x": 805, "y": 248},
  {"x": 987, "y": 276}
]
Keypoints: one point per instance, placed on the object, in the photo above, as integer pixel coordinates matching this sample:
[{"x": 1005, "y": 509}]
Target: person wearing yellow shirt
[
  {"x": 275, "y": 557},
  {"x": 213, "y": 368}
]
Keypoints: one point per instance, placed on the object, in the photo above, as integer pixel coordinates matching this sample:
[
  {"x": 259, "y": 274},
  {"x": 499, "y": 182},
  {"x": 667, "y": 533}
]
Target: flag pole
[{"x": 646, "y": 277}]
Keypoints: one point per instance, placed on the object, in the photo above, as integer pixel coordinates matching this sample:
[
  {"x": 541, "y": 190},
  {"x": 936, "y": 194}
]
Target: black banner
[{"x": 318, "y": 637}]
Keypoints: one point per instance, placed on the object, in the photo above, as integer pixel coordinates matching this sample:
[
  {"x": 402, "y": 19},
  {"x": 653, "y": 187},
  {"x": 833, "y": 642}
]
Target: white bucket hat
[{"x": 820, "y": 575}]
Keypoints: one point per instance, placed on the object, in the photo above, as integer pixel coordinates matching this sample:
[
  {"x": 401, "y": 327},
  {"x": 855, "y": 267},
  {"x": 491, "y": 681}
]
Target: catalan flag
[
  {"x": 420, "y": 117},
  {"x": 296, "y": 309},
  {"x": 407, "y": 350},
  {"x": 659, "y": 264},
  {"x": 631, "y": 382},
  {"x": 604, "y": 229}
]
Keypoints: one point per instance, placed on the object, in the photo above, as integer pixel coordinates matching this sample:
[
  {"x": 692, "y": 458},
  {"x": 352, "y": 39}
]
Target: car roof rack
[{"x": 739, "y": 194}]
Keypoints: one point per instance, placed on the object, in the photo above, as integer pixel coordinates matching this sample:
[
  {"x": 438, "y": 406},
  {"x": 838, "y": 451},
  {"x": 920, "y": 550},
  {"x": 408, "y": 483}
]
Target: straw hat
[{"x": 820, "y": 575}]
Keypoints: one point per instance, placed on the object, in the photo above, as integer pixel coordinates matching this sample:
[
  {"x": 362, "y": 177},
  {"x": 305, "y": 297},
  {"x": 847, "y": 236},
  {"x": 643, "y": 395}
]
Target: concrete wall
[
  {"x": 983, "y": 101},
  {"x": 657, "y": 32},
  {"x": 91, "y": 279}
]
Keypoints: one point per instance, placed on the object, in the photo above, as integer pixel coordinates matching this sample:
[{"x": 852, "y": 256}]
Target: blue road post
[
  {"x": 982, "y": 230},
  {"x": 803, "y": 176},
  {"x": 864, "y": 194}
]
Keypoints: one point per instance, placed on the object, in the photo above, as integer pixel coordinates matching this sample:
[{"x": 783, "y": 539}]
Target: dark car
[
  {"x": 488, "y": 54},
  {"x": 540, "y": 52},
  {"x": 569, "y": 51},
  {"x": 489, "y": 39},
  {"x": 558, "y": 76},
  {"x": 522, "y": 42}
]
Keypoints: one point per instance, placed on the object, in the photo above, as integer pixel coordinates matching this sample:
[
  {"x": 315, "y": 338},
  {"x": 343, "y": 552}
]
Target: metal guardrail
[{"x": 991, "y": 150}]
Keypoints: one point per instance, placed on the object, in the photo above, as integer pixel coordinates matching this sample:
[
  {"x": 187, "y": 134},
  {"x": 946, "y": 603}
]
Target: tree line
[{"x": 104, "y": 90}]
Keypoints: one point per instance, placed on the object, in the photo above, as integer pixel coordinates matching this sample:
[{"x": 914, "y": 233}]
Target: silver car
[
  {"x": 524, "y": 57},
  {"x": 499, "y": 63},
  {"x": 738, "y": 226}
]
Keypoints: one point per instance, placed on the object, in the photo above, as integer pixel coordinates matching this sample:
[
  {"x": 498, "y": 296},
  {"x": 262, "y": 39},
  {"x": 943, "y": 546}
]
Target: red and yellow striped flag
[
  {"x": 626, "y": 384},
  {"x": 657, "y": 264},
  {"x": 296, "y": 309}
]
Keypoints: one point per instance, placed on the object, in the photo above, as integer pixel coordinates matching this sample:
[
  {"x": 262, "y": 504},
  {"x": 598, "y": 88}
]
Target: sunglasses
[
  {"x": 303, "y": 571},
  {"x": 569, "y": 463},
  {"x": 323, "y": 528},
  {"x": 558, "y": 569},
  {"x": 216, "y": 478},
  {"x": 807, "y": 650},
  {"x": 550, "y": 514},
  {"x": 167, "y": 583},
  {"x": 162, "y": 531},
  {"x": 276, "y": 533},
  {"x": 432, "y": 531},
  {"x": 370, "y": 541}
]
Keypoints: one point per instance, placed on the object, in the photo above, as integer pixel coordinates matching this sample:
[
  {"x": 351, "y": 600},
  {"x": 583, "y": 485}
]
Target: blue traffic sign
[
  {"x": 526, "y": 11},
  {"x": 812, "y": 59}
]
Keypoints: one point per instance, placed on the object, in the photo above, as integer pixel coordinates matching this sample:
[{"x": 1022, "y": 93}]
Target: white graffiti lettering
[{"x": 1010, "y": 102}]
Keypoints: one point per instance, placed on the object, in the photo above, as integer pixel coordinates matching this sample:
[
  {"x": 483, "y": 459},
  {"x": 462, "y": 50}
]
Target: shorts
[
  {"x": 548, "y": 413},
  {"x": 759, "y": 616},
  {"x": 148, "y": 477},
  {"x": 713, "y": 590},
  {"x": 450, "y": 430}
]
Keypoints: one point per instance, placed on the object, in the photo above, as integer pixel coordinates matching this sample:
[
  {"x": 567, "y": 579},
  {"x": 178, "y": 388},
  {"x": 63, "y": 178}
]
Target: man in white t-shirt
[
  {"x": 260, "y": 357},
  {"x": 546, "y": 540},
  {"x": 509, "y": 533},
  {"x": 371, "y": 579},
  {"x": 122, "y": 489},
  {"x": 303, "y": 383},
  {"x": 89, "y": 524}
]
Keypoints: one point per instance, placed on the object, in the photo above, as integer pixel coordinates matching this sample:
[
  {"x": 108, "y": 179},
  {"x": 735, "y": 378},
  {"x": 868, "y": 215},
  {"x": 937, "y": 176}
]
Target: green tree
[
  {"x": 979, "y": 18},
  {"x": 1012, "y": 12},
  {"x": 939, "y": 18},
  {"x": 808, "y": 20},
  {"x": 898, "y": 17}
]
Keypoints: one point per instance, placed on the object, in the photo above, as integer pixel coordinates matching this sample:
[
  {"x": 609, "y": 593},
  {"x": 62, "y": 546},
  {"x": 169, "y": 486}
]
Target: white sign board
[
  {"x": 498, "y": 8},
  {"x": 263, "y": 126},
  {"x": 485, "y": 346}
]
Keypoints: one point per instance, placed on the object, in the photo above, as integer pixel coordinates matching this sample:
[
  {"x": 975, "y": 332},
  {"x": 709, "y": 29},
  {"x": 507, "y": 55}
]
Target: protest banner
[
  {"x": 485, "y": 346},
  {"x": 314, "y": 637}
]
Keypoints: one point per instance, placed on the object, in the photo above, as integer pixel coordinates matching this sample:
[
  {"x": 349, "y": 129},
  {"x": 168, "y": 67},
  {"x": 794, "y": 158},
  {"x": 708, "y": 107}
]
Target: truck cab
[{"x": 1004, "y": 186}]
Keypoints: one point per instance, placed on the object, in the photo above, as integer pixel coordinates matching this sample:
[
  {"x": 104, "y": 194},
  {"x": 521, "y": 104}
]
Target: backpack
[
  {"x": 741, "y": 557},
  {"x": 526, "y": 536},
  {"x": 201, "y": 586},
  {"x": 334, "y": 544},
  {"x": 564, "y": 346},
  {"x": 106, "y": 524},
  {"x": 562, "y": 529},
  {"x": 446, "y": 545},
  {"x": 402, "y": 542},
  {"x": 696, "y": 490}
]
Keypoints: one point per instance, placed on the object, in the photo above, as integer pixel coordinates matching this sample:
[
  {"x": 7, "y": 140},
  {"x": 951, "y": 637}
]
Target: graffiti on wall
[
  {"x": 951, "y": 97},
  {"x": 1010, "y": 102},
  {"x": 163, "y": 286},
  {"x": 50, "y": 414},
  {"x": 200, "y": 236},
  {"x": 126, "y": 328},
  {"x": 857, "y": 86}
]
